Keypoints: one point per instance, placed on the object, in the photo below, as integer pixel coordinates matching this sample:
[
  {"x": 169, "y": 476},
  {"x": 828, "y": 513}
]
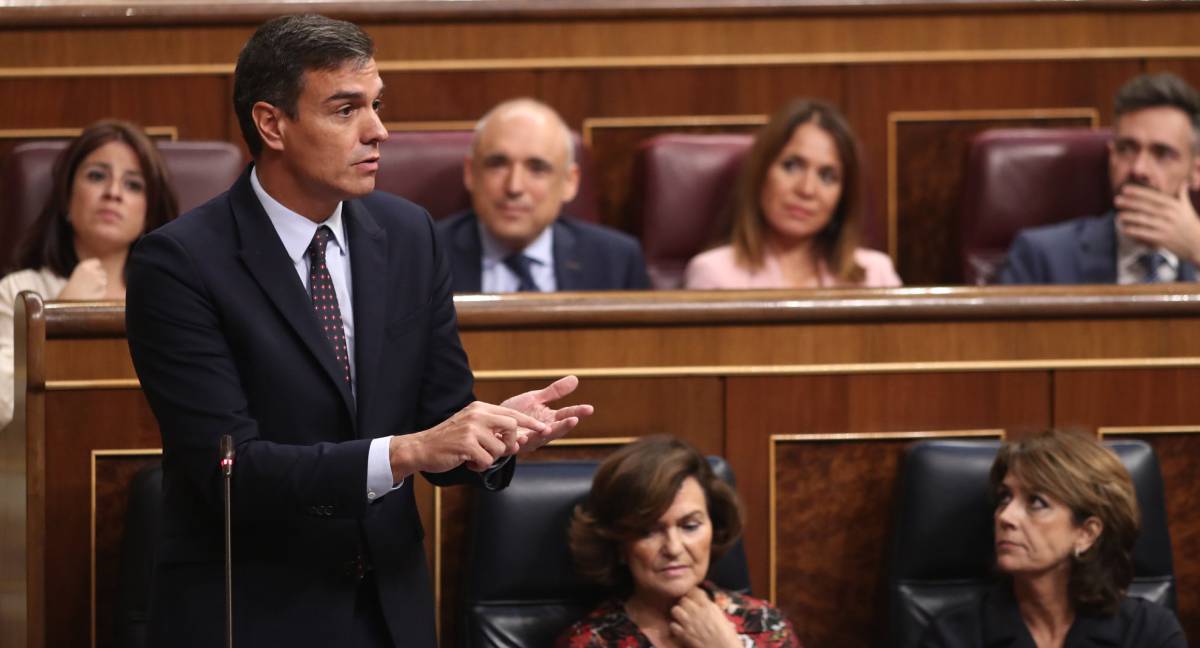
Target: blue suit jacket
[
  {"x": 586, "y": 256},
  {"x": 224, "y": 340},
  {"x": 1078, "y": 251}
]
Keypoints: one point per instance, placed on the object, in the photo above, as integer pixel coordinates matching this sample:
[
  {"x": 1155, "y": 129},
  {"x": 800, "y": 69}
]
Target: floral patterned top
[{"x": 758, "y": 624}]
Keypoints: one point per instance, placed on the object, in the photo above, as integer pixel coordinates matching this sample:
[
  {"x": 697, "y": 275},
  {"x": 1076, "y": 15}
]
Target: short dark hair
[
  {"x": 837, "y": 242},
  {"x": 50, "y": 242},
  {"x": 1159, "y": 90},
  {"x": 272, "y": 64},
  {"x": 632, "y": 488},
  {"x": 1073, "y": 468}
]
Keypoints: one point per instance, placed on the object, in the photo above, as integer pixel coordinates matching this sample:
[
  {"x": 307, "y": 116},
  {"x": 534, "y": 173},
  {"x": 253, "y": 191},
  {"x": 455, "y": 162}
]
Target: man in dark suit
[
  {"x": 312, "y": 320},
  {"x": 1153, "y": 234},
  {"x": 520, "y": 172}
]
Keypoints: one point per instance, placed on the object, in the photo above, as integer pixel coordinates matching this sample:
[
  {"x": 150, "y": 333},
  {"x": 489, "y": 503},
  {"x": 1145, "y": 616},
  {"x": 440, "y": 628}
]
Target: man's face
[
  {"x": 331, "y": 149},
  {"x": 518, "y": 175},
  {"x": 1153, "y": 147}
]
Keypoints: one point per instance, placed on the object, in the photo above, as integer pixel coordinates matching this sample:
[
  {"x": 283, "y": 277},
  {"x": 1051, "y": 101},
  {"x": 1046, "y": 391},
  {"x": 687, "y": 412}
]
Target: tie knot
[
  {"x": 519, "y": 265},
  {"x": 316, "y": 248},
  {"x": 1151, "y": 262}
]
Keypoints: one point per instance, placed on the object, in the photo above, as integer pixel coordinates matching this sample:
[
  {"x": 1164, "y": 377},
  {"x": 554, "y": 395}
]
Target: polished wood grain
[
  {"x": 863, "y": 404},
  {"x": 725, "y": 370},
  {"x": 1177, "y": 454},
  {"x": 834, "y": 514},
  {"x": 113, "y": 474}
]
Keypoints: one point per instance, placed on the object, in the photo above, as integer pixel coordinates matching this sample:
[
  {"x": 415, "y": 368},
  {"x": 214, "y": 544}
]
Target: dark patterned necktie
[
  {"x": 519, "y": 264},
  {"x": 324, "y": 299},
  {"x": 1151, "y": 262}
]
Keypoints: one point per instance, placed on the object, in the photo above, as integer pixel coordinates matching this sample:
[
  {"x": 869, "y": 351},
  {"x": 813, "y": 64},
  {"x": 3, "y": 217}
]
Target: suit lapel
[
  {"x": 269, "y": 264},
  {"x": 1098, "y": 250},
  {"x": 368, "y": 268},
  {"x": 568, "y": 268},
  {"x": 1187, "y": 272},
  {"x": 466, "y": 262}
]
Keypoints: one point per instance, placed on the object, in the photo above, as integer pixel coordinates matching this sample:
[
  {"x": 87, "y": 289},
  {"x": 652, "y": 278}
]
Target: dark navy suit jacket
[
  {"x": 994, "y": 621},
  {"x": 586, "y": 256},
  {"x": 224, "y": 340},
  {"x": 1077, "y": 251}
]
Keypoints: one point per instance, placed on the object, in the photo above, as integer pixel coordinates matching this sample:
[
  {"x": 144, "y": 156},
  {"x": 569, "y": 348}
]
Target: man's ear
[
  {"x": 468, "y": 174},
  {"x": 271, "y": 123}
]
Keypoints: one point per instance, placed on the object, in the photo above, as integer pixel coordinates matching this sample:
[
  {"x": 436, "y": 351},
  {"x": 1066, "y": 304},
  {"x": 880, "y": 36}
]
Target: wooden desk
[{"x": 812, "y": 397}]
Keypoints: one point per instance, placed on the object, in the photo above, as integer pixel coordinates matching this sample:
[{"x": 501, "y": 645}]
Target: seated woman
[
  {"x": 108, "y": 187},
  {"x": 655, "y": 519},
  {"x": 796, "y": 215},
  {"x": 1065, "y": 522}
]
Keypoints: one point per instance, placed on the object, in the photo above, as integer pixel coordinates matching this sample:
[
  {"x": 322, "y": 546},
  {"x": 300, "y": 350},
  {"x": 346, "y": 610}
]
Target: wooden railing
[{"x": 811, "y": 396}]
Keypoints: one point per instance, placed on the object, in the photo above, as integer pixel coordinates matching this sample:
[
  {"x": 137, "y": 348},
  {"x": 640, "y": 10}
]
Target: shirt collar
[
  {"x": 1130, "y": 251},
  {"x": 295, "y": 231},
  {"x": 540, "y": 251}
]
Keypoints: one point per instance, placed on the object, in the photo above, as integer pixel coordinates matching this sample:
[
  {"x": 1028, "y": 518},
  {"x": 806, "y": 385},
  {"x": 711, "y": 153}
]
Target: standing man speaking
[{"x": 312, "y": 320}]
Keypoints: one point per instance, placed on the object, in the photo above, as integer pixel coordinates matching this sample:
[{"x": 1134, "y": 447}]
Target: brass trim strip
[
  {"x": 423, "y": 126},
  {"x": 893, "y": 152},
  {"x": 590, "y": 441},
  {"x": 93, "y": 384},
  {"x": 171, "y": 132},
  {"x": 92, "y": 525},
  {"x": 772, "y": 483},
  {"x": 437, "y": 561},
  {"x": 1149, "y": 429},
  {"x": 664, "y": 61},
  {"x": 829, "y": 369},
  {"x": 592, "y": 124},
  {"x": 753, "y": 370}
]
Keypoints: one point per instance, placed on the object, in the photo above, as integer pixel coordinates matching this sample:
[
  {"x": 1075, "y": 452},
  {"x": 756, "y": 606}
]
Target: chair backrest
[
  {"x": 942, "y": 541},
  {"x": 521, "y": 587},
  {"x": 683, "y": 184},
  {"x": 1018, "y": 178},
  {"x": 199, "y": 171},
  {"x": 426, "y": 167},
  {"x": 138, "y": 552}
]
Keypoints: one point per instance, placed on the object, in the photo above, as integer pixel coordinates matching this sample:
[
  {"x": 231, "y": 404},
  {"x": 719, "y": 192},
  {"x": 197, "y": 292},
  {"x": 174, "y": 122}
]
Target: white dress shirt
[
  {"x": 498, "y": 278},
  {"x": 296, "y": 232}
]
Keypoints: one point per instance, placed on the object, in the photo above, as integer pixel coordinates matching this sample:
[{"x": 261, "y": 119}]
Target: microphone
[{"x": 227, "y": 453}]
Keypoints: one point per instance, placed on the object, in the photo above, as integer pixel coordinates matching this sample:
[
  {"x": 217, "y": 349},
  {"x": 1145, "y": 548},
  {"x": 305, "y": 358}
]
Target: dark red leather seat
[
  {"x": 682, "y": 186},
  {"x": 427, "y": 168},
  {"x": 1018, "y": 178},
  {"x": 199, "y": 171}
]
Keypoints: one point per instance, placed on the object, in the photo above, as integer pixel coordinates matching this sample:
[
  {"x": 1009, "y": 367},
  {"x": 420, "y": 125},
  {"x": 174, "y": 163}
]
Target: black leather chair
[
  {"x": 942, "y": 543},
  {"x": 521, "y": 589},
  {"x": 138, "y": 553}
]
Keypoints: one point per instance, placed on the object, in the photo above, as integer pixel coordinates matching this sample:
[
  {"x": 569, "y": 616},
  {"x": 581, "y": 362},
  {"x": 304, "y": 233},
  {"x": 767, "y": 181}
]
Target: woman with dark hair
[
  {"x": 1066, "y": 520},
  {"x": 109, "y": 187},
  {"x": 795, "y": 212},
  {"x": 655, "y": 519}
]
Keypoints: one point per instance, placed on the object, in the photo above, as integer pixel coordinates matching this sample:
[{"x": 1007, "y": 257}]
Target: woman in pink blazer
[{"x": 795, "y": 213}]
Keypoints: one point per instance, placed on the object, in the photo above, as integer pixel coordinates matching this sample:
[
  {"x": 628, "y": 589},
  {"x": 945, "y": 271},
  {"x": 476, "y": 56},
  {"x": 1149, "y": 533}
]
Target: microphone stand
[{"x": 227, "y": 453}]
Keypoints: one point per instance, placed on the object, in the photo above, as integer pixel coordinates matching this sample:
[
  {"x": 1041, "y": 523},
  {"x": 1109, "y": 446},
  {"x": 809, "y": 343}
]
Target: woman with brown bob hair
[
  {"x": 108, "y": 188},
  {"x": 796, "y": 213},
  {"x": 656, "y": 518},
  {"x": 1065, "y": 523}
]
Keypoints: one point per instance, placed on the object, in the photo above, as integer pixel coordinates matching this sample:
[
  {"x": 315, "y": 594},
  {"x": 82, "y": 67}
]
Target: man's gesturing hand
[
  {"x": 477, "y": 435},
  {"x": 557, "y": 422}
]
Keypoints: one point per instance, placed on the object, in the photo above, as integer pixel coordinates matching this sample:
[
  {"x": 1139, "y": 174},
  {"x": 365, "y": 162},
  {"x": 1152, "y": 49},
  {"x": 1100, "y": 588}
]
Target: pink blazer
[{"x": 717, "y": 269}]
